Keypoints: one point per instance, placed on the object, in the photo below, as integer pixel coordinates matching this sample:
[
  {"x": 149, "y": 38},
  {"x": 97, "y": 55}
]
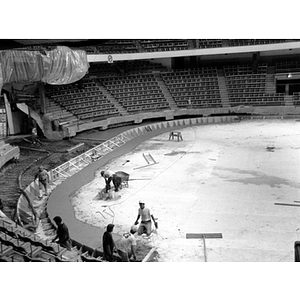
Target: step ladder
[{"x": 149, "y": 159}]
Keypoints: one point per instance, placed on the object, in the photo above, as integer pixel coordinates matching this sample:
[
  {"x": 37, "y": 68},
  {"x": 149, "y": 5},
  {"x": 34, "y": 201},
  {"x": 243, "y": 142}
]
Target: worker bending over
[{"x": 111, "y": 176}]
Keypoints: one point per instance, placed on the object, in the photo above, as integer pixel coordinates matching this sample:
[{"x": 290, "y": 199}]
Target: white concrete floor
[{"x": 222, "y": 178}]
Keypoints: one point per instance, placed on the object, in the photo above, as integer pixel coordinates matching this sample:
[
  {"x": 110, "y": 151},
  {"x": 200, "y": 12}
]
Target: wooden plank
[
  {"x": 287, "y": 204},
  {"x": 75, "y": 147},
  {"x": 205, "y": 235},
  {"x": 204, "y": 245},
  {"x": 149, "y": 255}
]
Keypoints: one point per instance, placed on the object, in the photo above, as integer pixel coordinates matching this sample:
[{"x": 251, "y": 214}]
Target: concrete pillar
[
  {"x": 41, "y": 88},
  {"x": 287, "y": 89}
]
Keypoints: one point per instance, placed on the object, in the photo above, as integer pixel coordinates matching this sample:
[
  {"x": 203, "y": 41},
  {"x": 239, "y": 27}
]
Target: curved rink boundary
[{"x": 59, "y": 200}]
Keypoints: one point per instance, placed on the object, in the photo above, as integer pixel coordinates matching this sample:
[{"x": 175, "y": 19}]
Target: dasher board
[{"x": 204, "y": 235}]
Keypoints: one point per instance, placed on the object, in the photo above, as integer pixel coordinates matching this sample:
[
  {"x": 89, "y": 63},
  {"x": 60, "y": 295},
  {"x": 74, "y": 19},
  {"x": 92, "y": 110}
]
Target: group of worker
[
  {"x": 43, "y": 180},
  {"x": 126, "y": 246}
]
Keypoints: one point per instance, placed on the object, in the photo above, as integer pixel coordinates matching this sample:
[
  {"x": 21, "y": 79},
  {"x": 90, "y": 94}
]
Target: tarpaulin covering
[{"x": 59, "y": 66}]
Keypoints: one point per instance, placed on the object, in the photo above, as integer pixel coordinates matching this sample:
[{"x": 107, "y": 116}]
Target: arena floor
[{"x": 240, "y": 180}]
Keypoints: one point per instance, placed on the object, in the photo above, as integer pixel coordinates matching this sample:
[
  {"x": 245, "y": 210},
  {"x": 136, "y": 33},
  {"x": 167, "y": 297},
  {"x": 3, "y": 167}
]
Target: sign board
[{"x": 110, "y": 59}]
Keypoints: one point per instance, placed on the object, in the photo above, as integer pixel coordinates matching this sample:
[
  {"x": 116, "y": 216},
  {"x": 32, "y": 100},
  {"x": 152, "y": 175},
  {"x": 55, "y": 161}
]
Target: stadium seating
[
  {"x": 134, "y": 87},
  {"x": 136, "y": 93},
  {"x": 164, "y": 45},
  {"x": 17, "y": 244},
  {"x": 210, "y": 43},
  {"x": 117, "y": 46},
  {"x": 196, "y": 88},
  {"x": 85, "y": 102},
  {"x": 249, "y": 42},
  {"x": 248, "y": 87}
]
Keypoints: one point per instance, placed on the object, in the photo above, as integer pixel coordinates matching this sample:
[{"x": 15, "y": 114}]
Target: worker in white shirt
[
  {"x": 111, "y": 176},
  {"x": 126, "y": 247},
  {"x": 146, "y": 216}
]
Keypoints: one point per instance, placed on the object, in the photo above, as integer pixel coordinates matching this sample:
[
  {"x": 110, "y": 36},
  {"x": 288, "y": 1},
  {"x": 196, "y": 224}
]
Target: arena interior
[{"x": 207, "y": 129}]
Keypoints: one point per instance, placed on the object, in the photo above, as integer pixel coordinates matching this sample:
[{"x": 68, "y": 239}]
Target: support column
[
  {"x": 41, "y": 88},
  {"x": 287, "y": 89},
  {"x": 10, "y": 123}
]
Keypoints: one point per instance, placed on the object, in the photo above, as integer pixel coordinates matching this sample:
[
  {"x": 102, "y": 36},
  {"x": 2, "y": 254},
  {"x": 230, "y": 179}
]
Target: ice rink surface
[{"x": 235, "y": 179}]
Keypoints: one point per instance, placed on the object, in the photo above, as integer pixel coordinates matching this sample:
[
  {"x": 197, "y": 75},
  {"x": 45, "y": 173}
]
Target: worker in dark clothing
[
  {"x": 297, "y": 251},
  {"x": 62, "y": 234},
  {"x": 108, "y": 243},
  {"x": 34, "y": 136}
]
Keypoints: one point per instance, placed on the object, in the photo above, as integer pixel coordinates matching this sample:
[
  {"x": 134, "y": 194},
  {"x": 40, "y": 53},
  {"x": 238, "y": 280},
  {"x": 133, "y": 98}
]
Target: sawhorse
[
  {"x": 204, "y": 236},
  {"x": 175, "y": 134}
]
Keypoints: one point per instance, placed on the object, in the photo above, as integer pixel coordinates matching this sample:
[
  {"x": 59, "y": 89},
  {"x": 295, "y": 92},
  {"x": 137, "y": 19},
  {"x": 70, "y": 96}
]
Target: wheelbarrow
[{"x": 124, "y": 178}]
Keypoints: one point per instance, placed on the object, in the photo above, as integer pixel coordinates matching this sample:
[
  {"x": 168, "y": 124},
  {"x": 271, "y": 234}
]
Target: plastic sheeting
[{"x": 59, "y": 66}]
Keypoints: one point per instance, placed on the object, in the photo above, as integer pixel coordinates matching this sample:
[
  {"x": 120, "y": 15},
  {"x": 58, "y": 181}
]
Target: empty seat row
[
  {"x": 74, "y": 108},
  {"x": 207, "y": 70},
  {"x": 142, "y": 108},
  {"x": 128, "y": 83},
  {"x": 90, "y": 97},
  {"x": 206, "y": 77},
  {"x": 190, "y": 98},
  {"x": 129, "y": 78},
  {"x": 93, "y": 108},
  {"x": 141, "y": 88},
  {"x": 131, "y": 86},
  {"x": 250, "y": 83},
  {"x": 245, "y": 77},
  {"x": 99, "y": 113},
  {"x": 200, "y": 95},
  {"x": 68, "y": 101},
  {"x": 145, "y": 97},
  {"x": 190, "y": 81},
  {"x": 202, "y": 104},
  {"x": 245, "y": 89},
  {"x": 246, "y": 95},
  {"x": 153, "y": 101},
  {"x": 195, "y": 89}
]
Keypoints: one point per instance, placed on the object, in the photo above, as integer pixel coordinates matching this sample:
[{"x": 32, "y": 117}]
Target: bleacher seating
[
  {"x": 194, "y": 88},
  {"x": 117, "y": 46},
  {"x": 20, "y": 245},
  {"x": 85, "y": 102},
  {"x": 136, "y": 93},
  {"x": 134, "y": 87},
  {"x": 232, "y": 70},
  {"x": 164, "y": 45},
  {"x": 210, "y": 43},
  {"x": 287, "y": 65},
  {"x": 248, "y": 87},
  {"x": 249, "y": 42},
  {"x": 296, "y": 98}
]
